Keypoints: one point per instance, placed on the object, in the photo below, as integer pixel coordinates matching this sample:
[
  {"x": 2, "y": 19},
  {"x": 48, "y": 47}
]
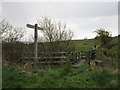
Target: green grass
[
  {"x": 83, "y": 45},
  {"x": 64, "y": 77}
]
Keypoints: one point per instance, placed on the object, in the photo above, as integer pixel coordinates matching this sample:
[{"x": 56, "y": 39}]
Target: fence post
[
  {"x": 23, "y": 57},
  {"x": 79, "y": 55},
  {"x": 89, "y": 53},
  {"x": 76, "y": 55}
]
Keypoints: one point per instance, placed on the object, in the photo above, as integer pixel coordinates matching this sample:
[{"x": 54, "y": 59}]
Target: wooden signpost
[{"x": 35, "y": 40}]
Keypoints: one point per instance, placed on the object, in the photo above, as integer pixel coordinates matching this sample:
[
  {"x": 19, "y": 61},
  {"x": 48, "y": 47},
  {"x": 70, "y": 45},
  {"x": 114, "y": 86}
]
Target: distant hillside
[
  {"x": 83, "y": 45},
  {"x": 86, "y": 44}
]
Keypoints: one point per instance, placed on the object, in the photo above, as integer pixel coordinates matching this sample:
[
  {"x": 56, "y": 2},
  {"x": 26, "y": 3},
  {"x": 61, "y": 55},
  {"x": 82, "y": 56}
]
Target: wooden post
[
  {"x": 89, "y": 54},
  {"x": 79, "y": 55},
  {"x": 36, "y": 45},
  {"x": 35, "y": 41},
  {"x": 76, "y": 55}
]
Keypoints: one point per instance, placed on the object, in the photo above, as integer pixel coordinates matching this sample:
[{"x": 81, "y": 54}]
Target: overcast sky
[{"x": 82, "y": 17}]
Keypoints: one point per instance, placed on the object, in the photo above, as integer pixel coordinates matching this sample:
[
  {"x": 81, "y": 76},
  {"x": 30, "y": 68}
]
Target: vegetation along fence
[{"x": 54, "y": 58}]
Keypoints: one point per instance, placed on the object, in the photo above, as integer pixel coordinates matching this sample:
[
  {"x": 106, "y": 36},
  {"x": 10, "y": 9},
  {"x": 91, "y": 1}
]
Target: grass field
[
  {"x": 83, "y": 45},
  {"x": 66, "y": 76}
]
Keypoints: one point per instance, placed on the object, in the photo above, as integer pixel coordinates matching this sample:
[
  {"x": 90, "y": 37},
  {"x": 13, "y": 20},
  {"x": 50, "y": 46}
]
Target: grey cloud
[
  {"x": 20, "y": 13},
  {"x": 74, "y": 9}
]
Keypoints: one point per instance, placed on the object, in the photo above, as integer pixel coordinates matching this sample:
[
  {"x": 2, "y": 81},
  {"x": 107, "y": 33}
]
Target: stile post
[
  {"x": 36, "y": 45},
  {"x": 35, "y": 41}
]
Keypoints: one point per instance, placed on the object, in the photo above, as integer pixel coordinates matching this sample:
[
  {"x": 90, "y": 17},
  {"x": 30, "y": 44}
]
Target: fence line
[
  {"x": 72, "y": 56},
  {"x": 55, "y": 58}
]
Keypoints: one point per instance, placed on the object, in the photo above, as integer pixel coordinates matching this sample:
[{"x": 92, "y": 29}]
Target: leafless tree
[
  {"x": 9, "y": 33},
  {"x": 56, "y": 33},
  {"x": 11, "y": 36}
]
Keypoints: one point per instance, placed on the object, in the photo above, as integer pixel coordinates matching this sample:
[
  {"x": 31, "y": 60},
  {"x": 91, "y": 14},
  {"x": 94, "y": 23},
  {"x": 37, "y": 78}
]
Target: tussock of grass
[{"x": 64, "y": 77}]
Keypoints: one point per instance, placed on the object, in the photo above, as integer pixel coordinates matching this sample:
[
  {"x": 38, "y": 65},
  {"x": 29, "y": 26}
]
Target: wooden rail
[{"x": 53, "y": 57}]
